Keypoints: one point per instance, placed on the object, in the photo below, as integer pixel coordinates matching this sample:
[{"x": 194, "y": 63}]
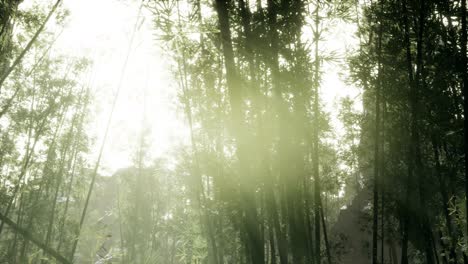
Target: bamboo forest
[{"x": 233, "y": 131}]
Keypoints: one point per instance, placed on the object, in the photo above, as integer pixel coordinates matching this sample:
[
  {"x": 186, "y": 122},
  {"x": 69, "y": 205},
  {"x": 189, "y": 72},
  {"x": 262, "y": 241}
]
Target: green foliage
[{"x": 265, "y": 176}]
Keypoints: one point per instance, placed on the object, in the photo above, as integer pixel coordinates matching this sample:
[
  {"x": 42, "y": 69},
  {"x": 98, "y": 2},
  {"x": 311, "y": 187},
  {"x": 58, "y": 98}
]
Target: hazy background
[{"x": 100, "y": 30}]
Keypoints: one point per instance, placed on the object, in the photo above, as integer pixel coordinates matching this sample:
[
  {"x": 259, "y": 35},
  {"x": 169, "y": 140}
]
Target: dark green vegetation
[{"x": 264, "y": 178}]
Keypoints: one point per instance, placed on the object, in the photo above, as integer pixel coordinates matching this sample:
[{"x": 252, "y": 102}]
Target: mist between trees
[{"x": 267, "y": 173}]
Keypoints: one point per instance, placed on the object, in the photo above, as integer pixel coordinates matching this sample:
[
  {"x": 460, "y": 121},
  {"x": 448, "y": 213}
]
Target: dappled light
[{"x": 233, "y": 131}]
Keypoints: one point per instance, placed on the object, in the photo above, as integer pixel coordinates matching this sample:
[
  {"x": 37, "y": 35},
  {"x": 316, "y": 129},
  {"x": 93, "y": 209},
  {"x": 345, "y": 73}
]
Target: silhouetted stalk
[
  {"x": 203, "y": 205},
  {"x": 315, "y": 141},
  {"x": 275, "y": 80},
  {"x": 415, "y": 108},
  {"x": 74, "y": 161},
  {"x": 383, "y": 186},
  {"x": 247, "y": 196},
  {"x": 464, "y": 73},
  {"x": 376, "y": 178},
  {"x": 325, "y": 235},
  {"x": 405, "y": 205}
]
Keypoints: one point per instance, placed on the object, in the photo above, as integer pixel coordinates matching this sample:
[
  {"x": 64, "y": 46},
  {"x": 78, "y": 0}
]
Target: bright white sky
[{"x": 101, "y": 30}]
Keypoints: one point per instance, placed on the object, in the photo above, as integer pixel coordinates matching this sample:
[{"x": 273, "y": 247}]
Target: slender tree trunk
[
  {"x": 464, "y": 73},
  {"x": 383, "y": 186},
  {"x": 325, "y": 235},
  {"x": 272, "y": 245},
  {"x": 275, "y": 79},
  {"x": 415, "y": 163},
  {"x": 204, "y": 207},
  {"x": 307, "y": 216},
  {"x": 73, "y": 162},
  {"x": 405, "y": 206},
  {"x": 434, "y": 249},
  {"x": 418, "y": 89},
  {"x": 247, "y": 195},
  {"x": 376, "y": 178},
  {"x": 315, "y": 142}
]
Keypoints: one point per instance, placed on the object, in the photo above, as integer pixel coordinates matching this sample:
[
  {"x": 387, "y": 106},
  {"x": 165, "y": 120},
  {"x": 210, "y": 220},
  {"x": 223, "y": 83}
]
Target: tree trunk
[
  {"x": 275, "y": 79},
  {"x": 464, "y": 73},
  {"x": 405, "y": 206},
  {"x": 325, "y": 235},
  {"x": 383, "y": 182},
  {"x": 250, "y": 222},
  {"x": 375, "y": 208},
  {"x": 415, "y": 107},
  {"x": 315, "y": 142},
  {"x": 203, "y": 205}
]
